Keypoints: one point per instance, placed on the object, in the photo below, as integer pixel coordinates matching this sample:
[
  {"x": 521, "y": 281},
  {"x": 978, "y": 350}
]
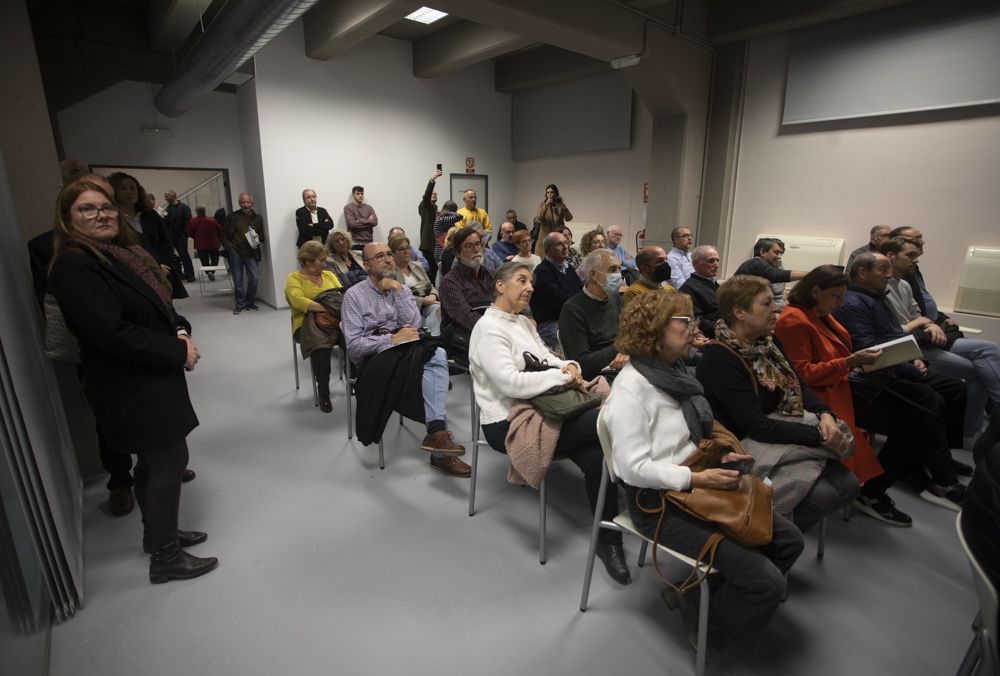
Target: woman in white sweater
[
  {"x": 496, "y": 356},
  {"x": 656, "y": 415}
]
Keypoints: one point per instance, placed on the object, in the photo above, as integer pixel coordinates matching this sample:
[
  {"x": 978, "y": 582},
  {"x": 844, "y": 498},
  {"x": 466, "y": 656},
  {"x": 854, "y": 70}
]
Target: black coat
[
  {"x": 133, "y": 361},
  {"x": 161, "y": 245},
  {"x": 308, "y": 229}
]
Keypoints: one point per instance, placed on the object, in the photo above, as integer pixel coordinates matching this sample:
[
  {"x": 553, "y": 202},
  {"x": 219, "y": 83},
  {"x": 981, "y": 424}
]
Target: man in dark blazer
[
  {"x": 556, "y": 282},
  {"x": 703, "y": 288},
  {"x": 311, "y": 220}
]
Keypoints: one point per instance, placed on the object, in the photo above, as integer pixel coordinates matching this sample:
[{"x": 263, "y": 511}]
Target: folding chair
[{"x": 981, "y": 657}]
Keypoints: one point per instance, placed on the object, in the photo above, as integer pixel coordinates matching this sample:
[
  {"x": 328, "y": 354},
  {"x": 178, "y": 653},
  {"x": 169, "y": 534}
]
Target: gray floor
[{"x": 329, "y": 565}]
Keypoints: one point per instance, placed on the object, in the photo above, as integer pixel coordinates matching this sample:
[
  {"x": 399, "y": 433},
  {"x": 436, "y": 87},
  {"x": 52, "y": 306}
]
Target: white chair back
[
  {"x": 604, "y": 435},
  {"x": 988, "y": 604}
]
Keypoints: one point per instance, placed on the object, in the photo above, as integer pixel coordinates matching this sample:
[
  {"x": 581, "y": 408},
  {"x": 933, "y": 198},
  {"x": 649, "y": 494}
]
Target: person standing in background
[
  {"x": 471, "y": 212},
  {"x": 243, "y": 249},
  {"x": 551, "y": 216},
  {"x": 427, "y": 210},
  {"x": 311, "y": 220},
  {"x": 207, "y": 235},
  {"x": 177, "y": 218},
  {"x": 361, "y": 218}
]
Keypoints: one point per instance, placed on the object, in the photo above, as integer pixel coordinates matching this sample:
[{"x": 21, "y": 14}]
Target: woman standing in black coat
[{"x": 134, "y": 349}]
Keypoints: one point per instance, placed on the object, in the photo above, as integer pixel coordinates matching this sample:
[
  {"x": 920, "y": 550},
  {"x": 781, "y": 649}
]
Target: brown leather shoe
[
  {"x": 121, "y": 502},
  {"x": 442, "y": 442},
  {"x": 451, "y": 466}
]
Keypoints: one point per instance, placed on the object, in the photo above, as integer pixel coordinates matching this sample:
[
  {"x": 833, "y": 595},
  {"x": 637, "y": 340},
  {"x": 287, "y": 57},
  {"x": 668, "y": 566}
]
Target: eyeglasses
[
  {"x": 90, "y": 212},
  {"x": 384, "y": 256},
  {"x": 469, "y": 246},
  {"x": 688, "y": 323},
  {"x": 402, "y": 249}
]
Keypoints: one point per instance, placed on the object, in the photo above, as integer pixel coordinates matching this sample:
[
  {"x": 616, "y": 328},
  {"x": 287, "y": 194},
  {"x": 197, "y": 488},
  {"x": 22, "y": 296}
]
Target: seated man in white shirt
[{"x": 679, "y": 256}]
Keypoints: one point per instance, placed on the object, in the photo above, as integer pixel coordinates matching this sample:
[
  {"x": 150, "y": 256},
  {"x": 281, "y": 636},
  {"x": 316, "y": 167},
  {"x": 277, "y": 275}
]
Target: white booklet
[
  {"x": 895, "y": 352},
  {"x": 252, "y": 238}
]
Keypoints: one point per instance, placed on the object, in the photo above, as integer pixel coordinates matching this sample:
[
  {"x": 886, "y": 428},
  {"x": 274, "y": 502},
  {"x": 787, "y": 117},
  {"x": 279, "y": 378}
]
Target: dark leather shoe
[
  {"x": 451, "y": 466},
  {"x": 613, "y": 557},
  {"x": 121, "y": 502},
  {"x": 442, "y": 442},
  {"x": 188, "y": 475},
  {"x": 186, "y": 538},
  {"x": 325, "y": 404},
  {"x": 170, "y": 562}
]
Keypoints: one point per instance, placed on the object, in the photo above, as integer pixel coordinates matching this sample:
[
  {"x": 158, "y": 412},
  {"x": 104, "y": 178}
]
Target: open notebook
[{"x": 895, "y": 352}]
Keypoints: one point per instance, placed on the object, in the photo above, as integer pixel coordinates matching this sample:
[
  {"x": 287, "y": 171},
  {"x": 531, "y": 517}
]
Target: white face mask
[{"x": 612, "y": 283}]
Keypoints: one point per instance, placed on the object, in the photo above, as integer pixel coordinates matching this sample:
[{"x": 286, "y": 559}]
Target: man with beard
[
  {"x": 242, "y": 236},
  {"x": 679, "y": 256},
  {"x": 466, "y": 292},
  {"x": 379, "y": 313}
]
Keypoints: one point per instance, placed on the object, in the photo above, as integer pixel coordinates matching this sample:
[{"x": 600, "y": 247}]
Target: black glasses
[
  {"x": 384, "y": 256},
  {"x": 90, "y": 212},
  {"x": 469, "y": 246}
]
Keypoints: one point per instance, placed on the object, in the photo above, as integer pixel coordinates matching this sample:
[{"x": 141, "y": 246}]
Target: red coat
[
  {"x": 819, "y": 353},
  {"x": 206, "y": 233}
]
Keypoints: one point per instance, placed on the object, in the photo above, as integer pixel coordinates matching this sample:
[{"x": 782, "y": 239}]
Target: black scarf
[{"x": 683, "y": 387}]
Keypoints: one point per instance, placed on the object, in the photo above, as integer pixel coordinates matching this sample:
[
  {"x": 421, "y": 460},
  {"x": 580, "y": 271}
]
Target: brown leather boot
[{"x": 170, "y": 562}]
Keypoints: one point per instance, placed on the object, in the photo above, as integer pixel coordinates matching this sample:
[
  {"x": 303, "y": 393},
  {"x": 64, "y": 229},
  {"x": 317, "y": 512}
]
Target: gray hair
[
  {"x": 863, "y": 261},
  {"x": 594, "y": 259},
  {"x": 476, "y": 225},
  {"x": 701, "y": 252},
  {"x": 506, "y": 271},
  {"x": 550, "y": 239}
]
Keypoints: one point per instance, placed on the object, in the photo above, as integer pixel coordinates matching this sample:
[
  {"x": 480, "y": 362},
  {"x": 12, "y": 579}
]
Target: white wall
[
  {"x": 941, "y": 177},
  {"x": 106, "y": 129},
  {"x": 362, "y": 118},
  {"x": 600, "y": 187}
]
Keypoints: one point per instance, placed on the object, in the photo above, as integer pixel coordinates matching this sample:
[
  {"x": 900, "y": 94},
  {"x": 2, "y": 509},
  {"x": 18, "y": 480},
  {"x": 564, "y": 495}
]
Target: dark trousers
[
  {"x": 320, "y": 361},
  {"x": 922, "y": 421},
  {"x": 118, "y": 465},
  {"x": 181, "y": 245},
  {"x": 834, "y": 489},
  {"x": 208, "y": 256},
  {"x": 432, "y": 264},
  {"x": 577, "y": 442},
  {"x": 158, "y": 490},
  {"x": 753, "y": 579}
]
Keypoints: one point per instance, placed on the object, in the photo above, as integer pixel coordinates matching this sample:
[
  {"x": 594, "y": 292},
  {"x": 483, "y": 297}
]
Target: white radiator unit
[
  {"x": 581, "y": 229},
  {"x": 805, "y": 253},
  {"x": 979, "y": 285}
]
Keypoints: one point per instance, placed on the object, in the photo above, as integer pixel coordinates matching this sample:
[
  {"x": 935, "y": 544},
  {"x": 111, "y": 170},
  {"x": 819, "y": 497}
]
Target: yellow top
[
  {"x": 300, "y": 291},
  {"x": 639, "y": 286},
  {"x": 477, "y": 215}
]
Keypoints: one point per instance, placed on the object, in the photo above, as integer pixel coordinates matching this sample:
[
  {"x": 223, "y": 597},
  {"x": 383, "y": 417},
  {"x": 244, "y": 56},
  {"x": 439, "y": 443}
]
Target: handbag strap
[
  {"x": 753, "y": 378},
  {"x": 701, "y": 568}
]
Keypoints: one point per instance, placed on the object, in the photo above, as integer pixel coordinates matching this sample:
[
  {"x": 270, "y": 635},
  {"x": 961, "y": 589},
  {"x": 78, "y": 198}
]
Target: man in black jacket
[
  {"x": 177, "y": 218},
  {"x": 243, "y": 249},
  {"x": 311, "y": 220},
  {"x": 556, "y": 282},
  {"x": 703, "y": 288},
  {"x": 427, "y": 209}
]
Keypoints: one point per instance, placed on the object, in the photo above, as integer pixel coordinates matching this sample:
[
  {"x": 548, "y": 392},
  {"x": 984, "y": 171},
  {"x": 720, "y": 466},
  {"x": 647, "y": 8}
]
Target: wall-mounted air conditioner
[
  {"x": 979, "y": 285},
  {"x": 805, "y": 253}
]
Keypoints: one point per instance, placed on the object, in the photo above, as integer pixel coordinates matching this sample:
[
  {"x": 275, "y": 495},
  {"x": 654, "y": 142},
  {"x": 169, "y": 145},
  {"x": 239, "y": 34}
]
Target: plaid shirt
[{"x": 366, "y": 310}]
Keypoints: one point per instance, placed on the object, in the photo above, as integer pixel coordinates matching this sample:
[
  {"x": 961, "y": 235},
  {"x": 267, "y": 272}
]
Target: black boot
[
  {"x": 186, "y": 538},
  {"x": 613, "y": 557},
  {"x": 170, "y": 562}
]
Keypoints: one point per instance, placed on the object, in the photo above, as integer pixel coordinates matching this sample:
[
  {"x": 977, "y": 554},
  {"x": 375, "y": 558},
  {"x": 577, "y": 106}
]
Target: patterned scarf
[
  {"x": 769, "y": 366},
  {"x": 142, "y": 265}
]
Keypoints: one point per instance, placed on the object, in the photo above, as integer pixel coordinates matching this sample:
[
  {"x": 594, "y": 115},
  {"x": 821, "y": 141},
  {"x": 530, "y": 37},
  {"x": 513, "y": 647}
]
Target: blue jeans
[
  {"x": 548, "y": 331},
  {"x": 239, "y": 263},
  {"x": 977, "y": 362},
  {"x": 435, "y": 387},
  {"x": 432, "y": 318}
]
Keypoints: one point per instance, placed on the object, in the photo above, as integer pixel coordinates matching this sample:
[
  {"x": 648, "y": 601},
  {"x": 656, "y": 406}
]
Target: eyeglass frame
[
  {"x": 109, "y": 209},
  {"x": 381, "y": 256},
  {"x": 691, "y": 325}
]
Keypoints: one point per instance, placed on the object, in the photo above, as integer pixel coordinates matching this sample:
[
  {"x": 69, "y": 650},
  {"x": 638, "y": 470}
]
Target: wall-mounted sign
[{"x": 470, "y": 165}]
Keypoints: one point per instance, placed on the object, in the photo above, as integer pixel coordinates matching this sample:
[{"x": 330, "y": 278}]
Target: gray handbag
[{"x": 60, "y": 343}]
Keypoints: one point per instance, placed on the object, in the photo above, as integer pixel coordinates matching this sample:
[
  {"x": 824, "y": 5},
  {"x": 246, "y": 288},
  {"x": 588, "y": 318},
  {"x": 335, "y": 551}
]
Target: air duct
[{"x": 237, "y": 33}]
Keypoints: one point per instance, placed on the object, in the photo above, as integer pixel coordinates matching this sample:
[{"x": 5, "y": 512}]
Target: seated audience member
[
  {"x": 977, "y": 362},
  {"x": 470, "y": 212},
  {"x": 491, "y": 261},
  {"x": 342, "y": 260},
  {"x": 207, "y": 235},
  {"x": 448, "y": 254},
  {"x": 522, "y": 240},
  {"x": 360, "y": 217},
  {"x": 496, "y": 357},
  {"x": 410, "y": 273},
  {"x": 654, "y": 272},
  {"x": 703, "y": 288},
  {"x": 614, "y": 233},
  {"x": 302, "y": 290},
  {"x": 428, "y": 211},
  {"x": 679, "y": 256},
  {"x": 821, "y": 353},
  {"x": 555, "y": 283},
  {"x": 443, "y": 222},
  {"x": 878, "y": 234},
  {"x": 377, "y": 314},
  {"x": 415, "y": 254},
  {"x": 466, "y": 292},
  {"x": 505, "y": 247},
  {"x": 867, "y": 316},
  {"x": 657, "y": 415},
  {"x": 518, "y": 225},
  {"x": 757, "y": 395},
  {"x": 592, "y": 241},
  {"x": 311, "y": 220},
  {"x": 573, "y": 255},
  {"x": 766, "y": 263},
  {"x": 588, "y": 323}
]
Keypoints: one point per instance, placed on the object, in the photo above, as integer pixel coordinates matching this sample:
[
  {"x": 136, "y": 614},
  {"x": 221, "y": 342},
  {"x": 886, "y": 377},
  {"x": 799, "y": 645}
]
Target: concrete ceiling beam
[
  {"x": 334, "y": 26},
  {"x": 465, "y": 44}
]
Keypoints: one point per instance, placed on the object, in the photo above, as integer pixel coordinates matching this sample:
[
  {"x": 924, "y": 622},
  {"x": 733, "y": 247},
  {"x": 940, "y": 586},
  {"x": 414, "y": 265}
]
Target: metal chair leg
[
  {"x": 699, "y": 658},
  {"x": 821, "y": 547},
  {"x": 350, "y": 396},
  {"x": 475, "y": 458},
  {"x": 642, "y": 553},
  {"x": 381, "y": 455},
  {"x": 295, "y": 363},
  {"x": 595, "y": 528},
  {"x": 541, "y": 523}
]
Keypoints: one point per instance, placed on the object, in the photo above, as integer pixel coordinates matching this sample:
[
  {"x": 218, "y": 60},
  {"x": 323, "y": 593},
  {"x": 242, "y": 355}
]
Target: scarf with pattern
[
  {"x": 142, "y": 265},
  {"x": 769, "y": 366}
]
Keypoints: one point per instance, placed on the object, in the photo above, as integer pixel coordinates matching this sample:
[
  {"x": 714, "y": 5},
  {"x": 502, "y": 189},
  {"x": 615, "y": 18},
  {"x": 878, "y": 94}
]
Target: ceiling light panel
[{"x": 426, "y": 15}]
